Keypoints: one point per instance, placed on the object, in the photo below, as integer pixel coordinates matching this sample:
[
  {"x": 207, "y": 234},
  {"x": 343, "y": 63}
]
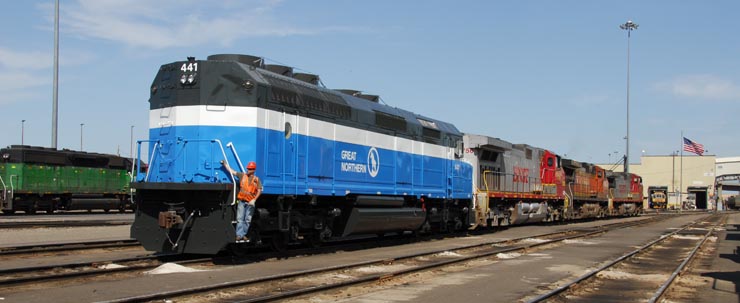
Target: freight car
[
  {"x": 335, "y": 163},
  {"x": 37, "y": 178}
]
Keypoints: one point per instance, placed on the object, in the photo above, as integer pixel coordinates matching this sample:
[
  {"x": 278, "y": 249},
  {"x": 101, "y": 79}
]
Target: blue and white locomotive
[{"x": 333, "y": 163}]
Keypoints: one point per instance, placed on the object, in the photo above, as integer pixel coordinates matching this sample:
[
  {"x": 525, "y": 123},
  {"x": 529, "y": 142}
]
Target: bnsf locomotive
[
  {"x": 335, "y": 163},
  {"x": 37, "y": 178}
]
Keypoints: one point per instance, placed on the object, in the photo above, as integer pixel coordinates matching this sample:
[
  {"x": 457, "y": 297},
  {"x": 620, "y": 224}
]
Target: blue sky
[{"x": 546, "y": 73}]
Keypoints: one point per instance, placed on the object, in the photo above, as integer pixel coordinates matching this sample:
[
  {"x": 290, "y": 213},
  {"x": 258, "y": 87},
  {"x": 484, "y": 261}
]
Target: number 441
[{"x": 189, "y": 67}]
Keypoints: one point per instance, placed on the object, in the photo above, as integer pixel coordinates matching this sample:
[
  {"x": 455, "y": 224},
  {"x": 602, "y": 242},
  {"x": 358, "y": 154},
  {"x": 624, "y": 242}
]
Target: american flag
[{"x": 691, "y": 146}]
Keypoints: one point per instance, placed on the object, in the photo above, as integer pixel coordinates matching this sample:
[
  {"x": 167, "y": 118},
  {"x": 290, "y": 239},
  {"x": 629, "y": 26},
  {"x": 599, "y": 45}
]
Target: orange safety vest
[{"x": 248, "y": 188}]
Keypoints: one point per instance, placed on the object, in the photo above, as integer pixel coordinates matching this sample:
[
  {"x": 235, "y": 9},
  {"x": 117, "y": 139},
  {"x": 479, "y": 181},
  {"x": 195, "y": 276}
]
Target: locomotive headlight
[
  {"x": 6, "y": 156},
  {"x": 191, "y": 78},
  {"x": 183, "y": 78}
]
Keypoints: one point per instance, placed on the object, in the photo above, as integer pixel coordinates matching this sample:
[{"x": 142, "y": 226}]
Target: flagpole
[{"x": 680, "y": 184}]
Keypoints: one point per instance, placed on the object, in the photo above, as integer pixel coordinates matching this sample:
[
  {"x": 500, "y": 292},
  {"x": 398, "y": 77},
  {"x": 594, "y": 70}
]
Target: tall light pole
[
  {"x": 132, "y": 144},
  {"x": 23, "y": 129},
  {"x": 81, "y": 125},
  {"x": 629, "y": 26},
  {"x": 55, "y": 101}
]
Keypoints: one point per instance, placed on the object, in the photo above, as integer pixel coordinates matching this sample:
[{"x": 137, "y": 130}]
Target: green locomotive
[{"x": 37, "y": 178}]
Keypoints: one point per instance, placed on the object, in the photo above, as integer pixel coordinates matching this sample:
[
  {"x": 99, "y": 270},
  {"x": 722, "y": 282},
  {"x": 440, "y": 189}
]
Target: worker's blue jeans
[{"x": 244, "y": 213}]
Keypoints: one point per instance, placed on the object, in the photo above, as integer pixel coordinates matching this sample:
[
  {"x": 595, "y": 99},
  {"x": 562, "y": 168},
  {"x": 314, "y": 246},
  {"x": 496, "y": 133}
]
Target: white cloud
[
  {"x": 19, "y": 86},
  {"x": 171, "y": 23},
  {"x": 708, "y": 87},
  {"x": 23, "y": 73},
  {"x": 12, "y": 59}
]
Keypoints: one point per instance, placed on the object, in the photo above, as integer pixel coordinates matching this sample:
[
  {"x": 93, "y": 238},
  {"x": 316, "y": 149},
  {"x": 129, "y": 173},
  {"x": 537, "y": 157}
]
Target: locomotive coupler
[{"x": 168, "y": 219}]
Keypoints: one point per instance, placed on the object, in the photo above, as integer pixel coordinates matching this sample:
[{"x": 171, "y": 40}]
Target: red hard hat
[{"x": 252, "y": 165}]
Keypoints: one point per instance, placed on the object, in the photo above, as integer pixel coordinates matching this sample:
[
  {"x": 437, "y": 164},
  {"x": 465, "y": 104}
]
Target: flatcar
[
  {"x": 334, "y": 163},
  {"x": 38, "y": 178}
]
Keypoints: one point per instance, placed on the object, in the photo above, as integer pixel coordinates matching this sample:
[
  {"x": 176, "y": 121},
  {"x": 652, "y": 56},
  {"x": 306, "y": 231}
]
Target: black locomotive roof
[
  {"x": 65, "y": 157},
  {"x": 300, "y": 92}
]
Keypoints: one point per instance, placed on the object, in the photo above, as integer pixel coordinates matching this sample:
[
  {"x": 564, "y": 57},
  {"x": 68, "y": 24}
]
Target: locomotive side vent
[
  {"x": 280, "y": 69},
  {"x": 372, "y": 98},
  {"x": 359, "y": 94},
  {"x": 308, "y": 78},
  {"x": 350, "y": 92}
]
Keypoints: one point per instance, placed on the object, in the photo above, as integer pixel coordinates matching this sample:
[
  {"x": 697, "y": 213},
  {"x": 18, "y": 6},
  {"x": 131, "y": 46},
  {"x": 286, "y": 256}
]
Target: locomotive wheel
[{"x": 9, "y": 212}]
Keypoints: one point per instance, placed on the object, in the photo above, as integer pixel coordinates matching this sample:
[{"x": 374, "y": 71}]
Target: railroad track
[
  {"x": 640, "y": 275},
  {"x": 282, "y": 286},
  {"x": 28, "y": 274},
  {"x": 59, "y": 247},
  {"x": 62, "y": 223}
]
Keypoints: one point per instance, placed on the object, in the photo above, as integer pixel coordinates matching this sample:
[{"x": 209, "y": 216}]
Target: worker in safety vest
[{"x": 250, "y": 188}]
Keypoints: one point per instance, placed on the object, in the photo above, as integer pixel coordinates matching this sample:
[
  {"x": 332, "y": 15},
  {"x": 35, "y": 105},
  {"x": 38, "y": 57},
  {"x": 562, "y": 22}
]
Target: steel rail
[
  {"x": 67, "y": 275},
  {"x": 79, "y": 264},
  {"x": 42, "y": 248},
  {"x": 102, "y": 244},
  {"x": 11, "y": 225},
  {"x": 608, "y": 265},
  {"x": 245, "y": 282},
  {"x": 659, "y": 293}
]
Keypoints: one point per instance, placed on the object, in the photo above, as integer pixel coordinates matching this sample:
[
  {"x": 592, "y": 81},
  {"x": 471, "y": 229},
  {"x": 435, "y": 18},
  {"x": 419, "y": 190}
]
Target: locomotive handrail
[
  {"x": 134, "y": 171},
  {"x": 12, "y": 189},
  {"x": 151, "y": 161},
  {"x": 5, "y": 191},
  {"x": 233, "y": 150},
  {"x": 570, "y": 196},
  {"x": 500, "y": 183}
]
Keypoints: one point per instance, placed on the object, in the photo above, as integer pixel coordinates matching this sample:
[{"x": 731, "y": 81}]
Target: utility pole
[{"x": 132, "y": 145}]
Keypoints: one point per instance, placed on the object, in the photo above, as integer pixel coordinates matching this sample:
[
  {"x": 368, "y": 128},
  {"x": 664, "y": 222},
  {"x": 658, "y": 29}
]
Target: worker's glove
[{"x": 253, "y": 201}]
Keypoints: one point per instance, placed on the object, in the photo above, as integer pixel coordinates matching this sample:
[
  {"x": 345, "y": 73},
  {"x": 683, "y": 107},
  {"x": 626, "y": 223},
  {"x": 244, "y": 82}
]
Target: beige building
[{"x": 685, "y": 176}]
